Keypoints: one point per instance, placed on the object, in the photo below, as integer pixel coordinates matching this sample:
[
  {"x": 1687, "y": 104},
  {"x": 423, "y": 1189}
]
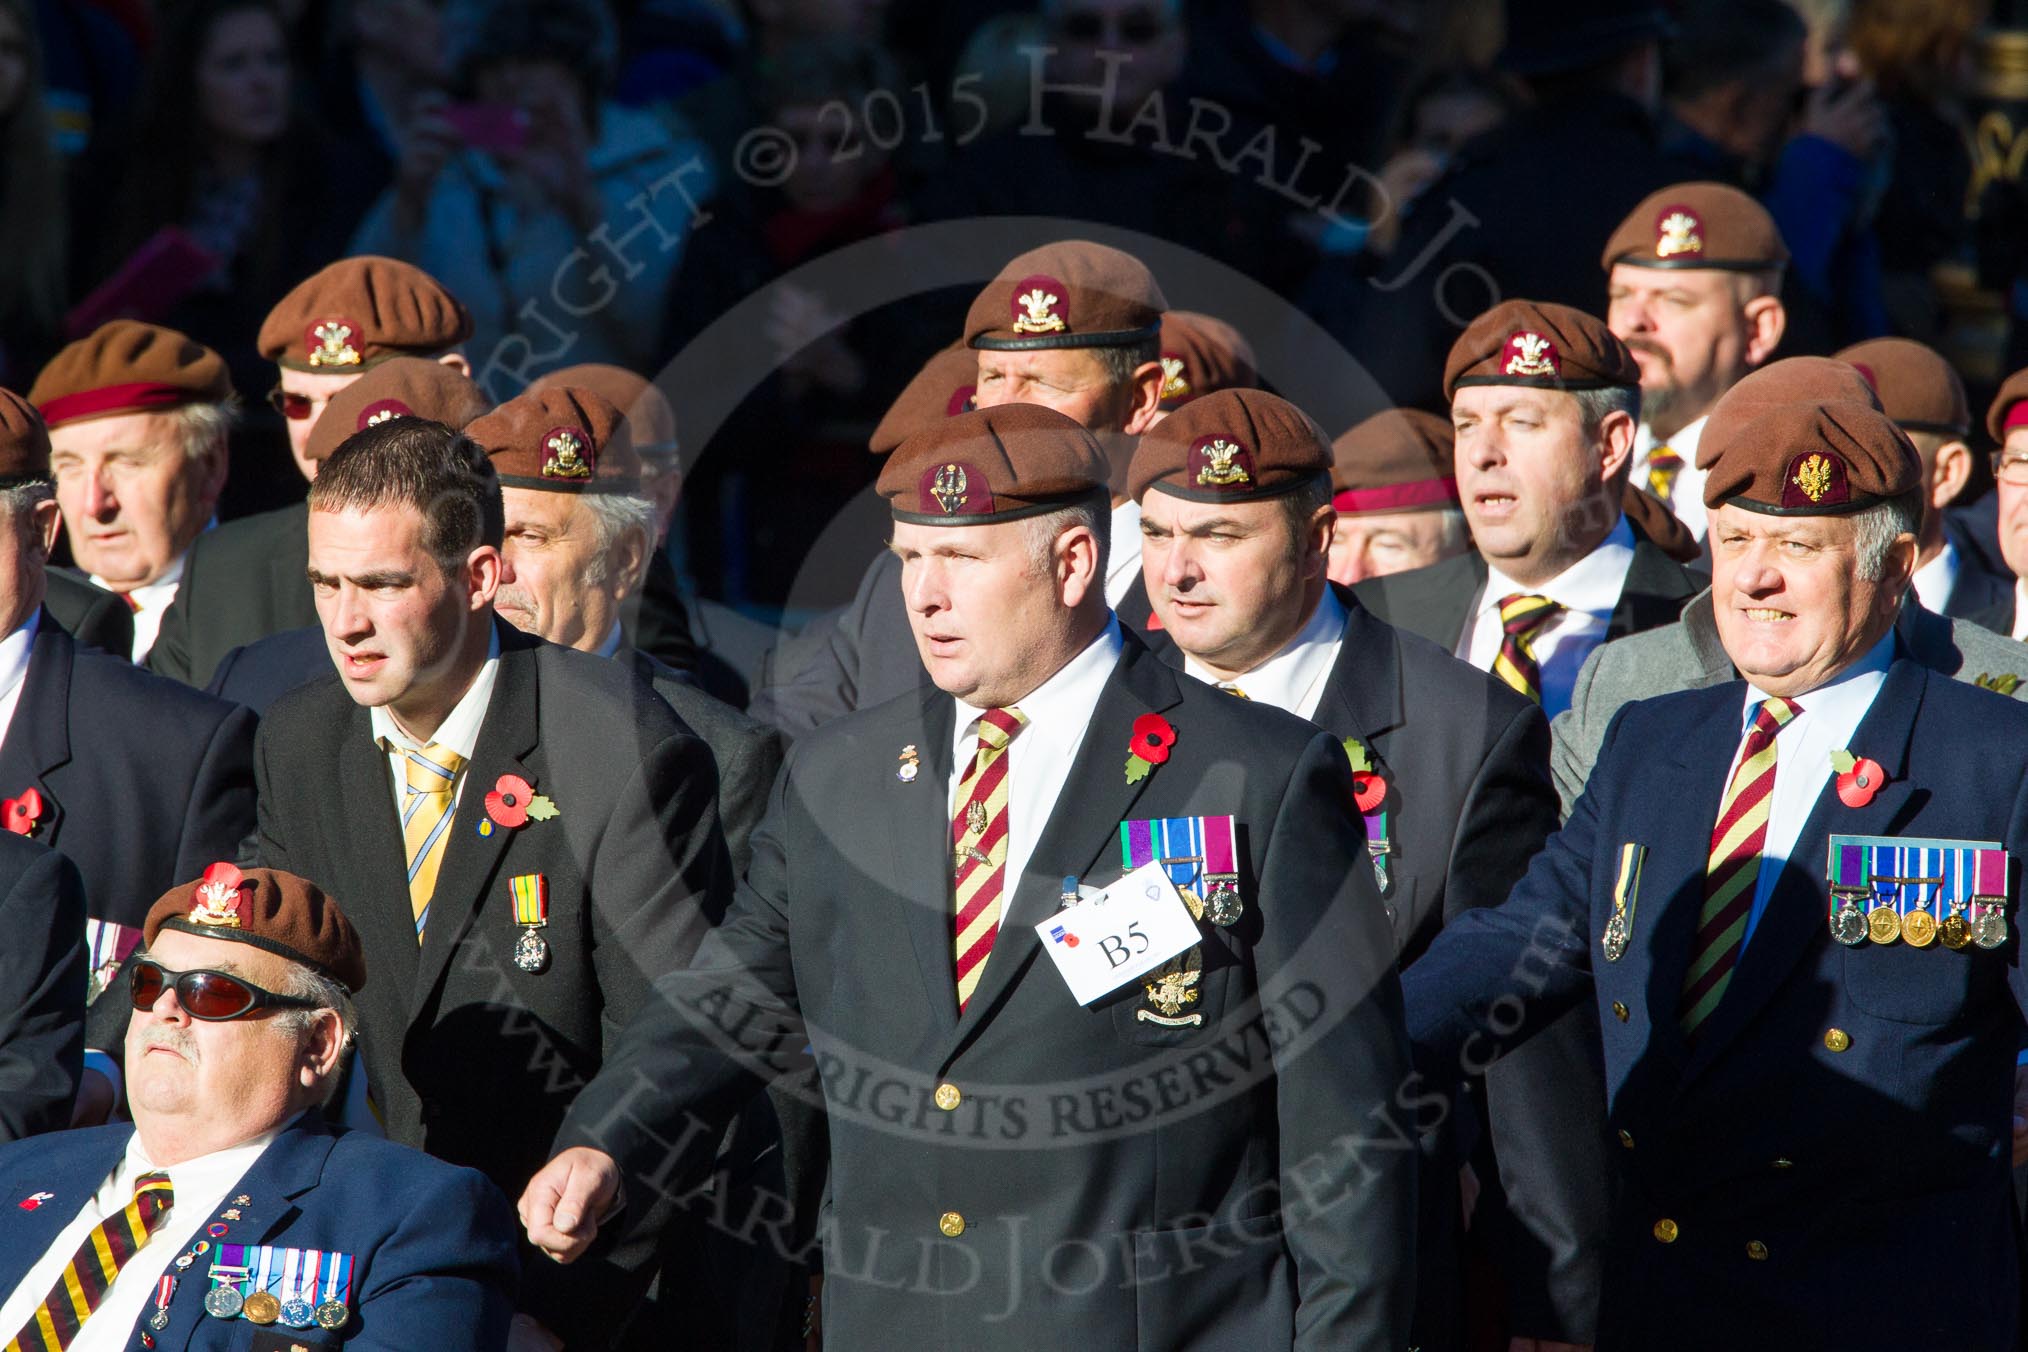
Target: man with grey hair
[
  {"x": 138, "y": 417},
  {"x": 229, "y": 1201}
]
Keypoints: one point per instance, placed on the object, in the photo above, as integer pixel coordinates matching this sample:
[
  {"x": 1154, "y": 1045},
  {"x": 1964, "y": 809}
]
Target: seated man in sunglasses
[{"x": 229, "y": 1201}]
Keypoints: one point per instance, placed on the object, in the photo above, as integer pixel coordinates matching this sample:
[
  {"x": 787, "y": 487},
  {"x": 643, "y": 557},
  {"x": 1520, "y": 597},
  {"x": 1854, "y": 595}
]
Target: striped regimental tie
[
  {"x": 1663, "y": 467},
  {"x": 1522, "y": 618},
  {"x": 90, "y": 1272},
  {"x": 428, "y": 790},
  {"x": 979, "y": 848},
  {"x": 1733, "y": 868}
]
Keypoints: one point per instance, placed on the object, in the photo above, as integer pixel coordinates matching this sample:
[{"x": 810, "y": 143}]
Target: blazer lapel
[
  {"x": 70, "y": 1168},
  {"x": 920, "y": 828},
  {"x": 1795, "y": 911},
  {"x": 1096, "y": 798},
  {"x": 366, "y": 838},
  {"x": 38, "y": 736},
  {"x": 1700, "y": 626},
  {"x": 1363, "y": 696}
]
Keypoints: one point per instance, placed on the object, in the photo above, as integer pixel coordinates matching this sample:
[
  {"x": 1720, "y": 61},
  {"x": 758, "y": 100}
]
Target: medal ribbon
[
  {"x": 531, "y": 899},
  {"x": 338, "y": 1278},
  {"x": 1221, "y": 852},
  {"x": 1627, "y": 890}
]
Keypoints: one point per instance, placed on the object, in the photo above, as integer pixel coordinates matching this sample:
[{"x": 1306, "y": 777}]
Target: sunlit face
[
  {"x": 243, "y": 78},
  {"x": 989, "y": 623},
  {"x": 1531, "y": 481},
  {"x": 235, "y": 1079},
  {"x": 2013, "y": 502},
  {"x": 1792, "y": 610},
  {"x": 394, "y": 620},
  {"x": 1374, "y": 544},
  {"x": 1070, "y": 380},
  {"x": 551, "y": 550},
  {"x": 1232, "y": 582},
  {"x": 132, "y": 498},
  {"x": 1688, "y": 332}
]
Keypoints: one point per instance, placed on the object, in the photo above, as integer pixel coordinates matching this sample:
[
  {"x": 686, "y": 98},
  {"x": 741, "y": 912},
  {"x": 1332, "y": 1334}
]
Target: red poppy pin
[
  {"x": 1858, "y": 778},
  {"x": 23, "y": 811},
  {"x": 1153, "y": 736},
  {"x": 512, "y": 803},
  {"x": 35, "y": 1200},
  {"x": 1369, "y": 787}
]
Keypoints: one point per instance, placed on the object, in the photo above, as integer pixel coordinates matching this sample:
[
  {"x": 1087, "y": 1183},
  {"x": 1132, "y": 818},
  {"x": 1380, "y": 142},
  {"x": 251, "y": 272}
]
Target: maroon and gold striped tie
[
  {"x": 90, "y": 1272},
  {"x": 1733, "y": 868},
  {"x": 1522, "y": 618},
  {"x": 1664, "y": 465},
  {"x": 979, "y": 848}
]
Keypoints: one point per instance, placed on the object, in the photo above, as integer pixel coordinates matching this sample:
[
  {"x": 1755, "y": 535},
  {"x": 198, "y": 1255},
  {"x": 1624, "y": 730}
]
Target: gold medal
[
  {"x": 1919, "y": 928},
  {"x": 1954, "y": 932},
  {"x": 1883, "y": 925},
  {"x": 262, "y": 1307}
]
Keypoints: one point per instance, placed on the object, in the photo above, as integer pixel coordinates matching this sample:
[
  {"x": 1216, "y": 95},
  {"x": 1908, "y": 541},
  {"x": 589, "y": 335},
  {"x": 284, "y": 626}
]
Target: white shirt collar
[
  {"x": 14, "y": 653},
  {"x": 1936, "y": 580},
  {"x": 1683, "y": 442},
  {"x": 1123, "y": 553},
  {"x": 1065, "y": 699},
  {"x": 1592, "y": 584},
  {"x": 1845, "y": 697},
  {"x": 1293, "y": 679},
  {"x": 205, "y": 1175},
  {"x": 148, "y": 601},
  {"x": 459, "y": 732},
  {"x": 2020, "y": 611}
]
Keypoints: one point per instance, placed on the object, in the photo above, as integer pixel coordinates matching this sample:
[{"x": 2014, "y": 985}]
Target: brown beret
[
  {"x": 1652, "y": 517},
  {"x": 126, "y": 366},
  {"x": 1231, "y": 446},
  {"x": 944, "y": 388},
  {"x": 1202, "y": 355},
  {"x": 269, "y": 909},
  {"x": 1398, "y": 460},
  {"x": 1697, "y": 225},
  {"x": 1072, "y": 294},
  {"x": 568, "y": 440},
  {"x": 24, "y": 441},
  {"x": 359, "y": 311},
  {"x": 402, "y": 387},
  {"x": 992, "y": 465},
  {"x": 1777, "y": 447},
  {"x": 2003, "y": 413},
  {"x": 1917, "y": 388},
  {"x": 1522, "y": 342},
  {"x": 1815, "y": 380},
  {"x": 649, "y": 417}
]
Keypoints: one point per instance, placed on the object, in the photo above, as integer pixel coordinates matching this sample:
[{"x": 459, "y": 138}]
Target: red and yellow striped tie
[
  {"x": 1733, "y": 868},
  {"x": 89, "y": 1274},
  {"x": 979, "y": 848},
  {"x": 1522, "y": 618},
  {"x": 1663, "y": 467}
]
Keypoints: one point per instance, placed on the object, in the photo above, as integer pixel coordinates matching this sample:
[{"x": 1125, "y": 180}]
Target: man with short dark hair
[{"x": 530, "y": 831}]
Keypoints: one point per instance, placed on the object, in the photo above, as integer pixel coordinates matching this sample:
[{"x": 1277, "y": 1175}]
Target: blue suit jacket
[
  {"x": 432, "y": 1244},
  {"x": 1803, "y": 1173}
]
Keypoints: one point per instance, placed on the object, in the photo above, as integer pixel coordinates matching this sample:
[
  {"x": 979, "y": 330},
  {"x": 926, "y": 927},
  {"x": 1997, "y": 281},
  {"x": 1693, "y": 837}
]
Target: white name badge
[{"x": 1133, "y": 927}]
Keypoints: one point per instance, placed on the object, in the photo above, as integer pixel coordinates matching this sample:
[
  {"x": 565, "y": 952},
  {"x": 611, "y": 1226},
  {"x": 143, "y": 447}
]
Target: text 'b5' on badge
[{"x": 1135, "y": 926}]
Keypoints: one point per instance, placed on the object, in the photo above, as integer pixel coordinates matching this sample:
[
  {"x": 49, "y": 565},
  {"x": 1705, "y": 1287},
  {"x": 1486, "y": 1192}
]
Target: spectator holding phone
[{"x": 518, "y": 193}]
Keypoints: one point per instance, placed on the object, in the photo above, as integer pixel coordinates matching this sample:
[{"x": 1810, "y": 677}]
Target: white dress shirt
[
  {"x": 200, "y": 1187},
  {"x": 1294, "y": 678},
  {"x": 1588, "y": 591},
  {"x": 1936, "y": 580},
  {"x": 1039, "y": 757},
  {"x": 14, "y": 652},
  {"x": 148, "y": 601},
  {"x": 2020, "y": 634},
  {"x": 1830, "y": 715},
  {"x": 458, "y": 732},
  {"x": 1686, "y": 495},
  {"x": 1123, "y": 554}
]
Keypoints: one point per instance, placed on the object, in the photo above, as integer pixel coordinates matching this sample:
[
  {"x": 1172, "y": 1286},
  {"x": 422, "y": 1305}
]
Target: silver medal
[
  {"x": 1989, "y": 928},
  {"x": 223, "y": 1302},
  {"x": 1848, "y": 925},
  {"x": 298, "y": 1314},
  {"x": 1615, "y": 939},
  {"x": 1222, "y": 905},
  {"x": 531, "y": 951}
]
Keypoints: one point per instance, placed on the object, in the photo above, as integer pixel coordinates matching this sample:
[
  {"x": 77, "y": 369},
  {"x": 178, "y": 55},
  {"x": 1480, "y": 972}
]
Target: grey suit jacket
[
  {"x": 1687, "y": 656},
  {"x": 747, "y": 753}
]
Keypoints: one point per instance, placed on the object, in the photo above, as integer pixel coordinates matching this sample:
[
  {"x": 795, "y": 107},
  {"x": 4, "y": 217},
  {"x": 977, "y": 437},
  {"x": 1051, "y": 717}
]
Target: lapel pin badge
[
  {"x": 34, "y": 1201},
  {"x": 911, "y": 764}
]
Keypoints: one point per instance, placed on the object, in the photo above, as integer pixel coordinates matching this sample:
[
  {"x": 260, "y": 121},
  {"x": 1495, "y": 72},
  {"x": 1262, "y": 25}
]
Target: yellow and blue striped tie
[
  {"x": 429, "y": 787},
  {"x": 89, "y": 1274}
]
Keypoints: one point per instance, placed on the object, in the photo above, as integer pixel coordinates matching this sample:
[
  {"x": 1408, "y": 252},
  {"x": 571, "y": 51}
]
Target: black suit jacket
[
  {"x": 42, "y": 987},
  {"x": 242, "y": 581},
  {"x": 1072, "y": 1128},
  {"x": 1998, "y": 617},
  {"x": 94, "y": 616},
  {"x": 1977, "y": 592},
  {"x": 470, "y": 1057},
  {"x": 747, "y": 754},
  {"x": 866, "y": 656}
]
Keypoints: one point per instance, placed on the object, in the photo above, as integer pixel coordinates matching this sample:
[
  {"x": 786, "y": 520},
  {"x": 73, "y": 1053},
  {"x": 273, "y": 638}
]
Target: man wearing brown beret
[
  {"x": 1395, "y": 488},
  {"x": 2005, "y": 420},
  {"x": 1202, "y": 354},
  {"x": 244, "y": 580},
  {"x": 137, "y": 418},
  {"x": 528, "y": 833},
  {"x": 1236, "y": 510},
  {"x": 228, "y": 1214},
  {"x": 903, "y": 907},
  {"x": 1544, "y": 401},
  {"x": 1694, "y": 277},
  {"x": 1787, "y": 1022}
]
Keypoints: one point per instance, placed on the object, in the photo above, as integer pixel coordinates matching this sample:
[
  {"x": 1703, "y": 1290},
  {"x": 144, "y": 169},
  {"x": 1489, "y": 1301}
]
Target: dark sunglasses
[
  {"x": 1136, "y": 28},
  {"x": 295, "y": 407},
  {"x": 204, "y": 994}
]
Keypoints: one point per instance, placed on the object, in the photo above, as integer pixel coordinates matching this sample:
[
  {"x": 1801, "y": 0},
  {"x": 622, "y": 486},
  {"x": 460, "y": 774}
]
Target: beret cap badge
[
  {"x": 1038, "y": 305},
  {"x": 949, "y": 487},
  {"x": 215, "y": 900},
  {"x": 1175, "y": 378},
  {"x": 569, "y": 454},
  {"x": 330, "y": 343},
  {"x": 1813, "y": 476},
  {"x": 1222, "y": 463},
  {"x": 1678, "y": 231},
  {"x": 1530, "y": 354}
]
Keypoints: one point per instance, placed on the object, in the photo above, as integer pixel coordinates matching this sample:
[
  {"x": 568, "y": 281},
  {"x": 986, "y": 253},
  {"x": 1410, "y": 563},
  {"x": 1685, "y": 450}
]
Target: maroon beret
[
  {"x": 1072, "y": 294},
  {"x": 1775, "y": 444},
  {"x": 268, "y": 909},
  {"x": 650, "y": 418},
  {"x": 1820, "y": 380},
  {"x": 1202, "y": 355},
  {"x": 2006, "y": 411},
  {"x": 560, "y": 440},
  {"x": 1398, "y": 460},
  {"x": 944, "y": 388},
  {"x": 126, "y": 366},
  {"x": 992, "y": 465},
  {"x": 360, "y": 311},
  {"x": 1917, "y": 388},
  {"x": 1523, "y": 342},
  {"x": 1231, "y": 446},
  {"x": 400, "y": 387},
  {"x": 1698, "y": 225}
]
